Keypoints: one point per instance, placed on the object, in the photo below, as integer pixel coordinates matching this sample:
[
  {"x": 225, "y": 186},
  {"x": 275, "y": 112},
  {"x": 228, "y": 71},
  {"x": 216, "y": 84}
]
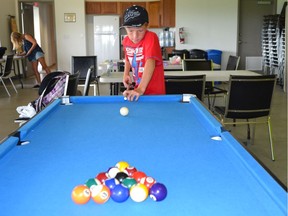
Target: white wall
[
  {"x": 208, "y": 25},
  {"x": 70, "y": 37}
]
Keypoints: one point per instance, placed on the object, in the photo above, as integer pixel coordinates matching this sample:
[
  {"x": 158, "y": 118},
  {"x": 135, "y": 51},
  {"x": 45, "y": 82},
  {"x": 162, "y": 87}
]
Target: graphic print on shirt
[{"x": 135, "y": 56}]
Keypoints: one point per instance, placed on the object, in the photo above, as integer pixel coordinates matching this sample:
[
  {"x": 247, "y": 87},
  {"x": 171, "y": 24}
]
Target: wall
[
  {"x": 208, "y": 25},
  {"x": 210, "y": 19},
  {"x": 7, "y": 8},
  {"x": 70, "y": 37}
]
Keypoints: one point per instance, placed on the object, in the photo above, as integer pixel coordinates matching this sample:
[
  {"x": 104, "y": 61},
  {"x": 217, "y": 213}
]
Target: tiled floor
[{"x": 260, "y": 148}]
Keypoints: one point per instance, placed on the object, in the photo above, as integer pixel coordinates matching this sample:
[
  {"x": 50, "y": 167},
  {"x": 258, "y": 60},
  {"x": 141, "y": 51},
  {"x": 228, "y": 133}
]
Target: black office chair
[
  {"x": 5, "y": 73},
  {"x": 198, "y": 65},
  {"x": 249, "y": 97},
  {"x": 233, "y": 62},
  {"x": 184, "y": 54},
  {"x": 82, "y": 64},
  {"x": 194, "y": 84},
  {"x": 73, "y": 81},
  {"x": 198, "y": 54}
]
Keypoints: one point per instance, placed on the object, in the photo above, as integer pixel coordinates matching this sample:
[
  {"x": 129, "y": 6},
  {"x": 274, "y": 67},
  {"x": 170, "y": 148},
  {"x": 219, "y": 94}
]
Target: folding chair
[
  {"x": 249, "y": 97},
  {"x": 194, "y": 84},
  {"x": 5, "y": 73}
]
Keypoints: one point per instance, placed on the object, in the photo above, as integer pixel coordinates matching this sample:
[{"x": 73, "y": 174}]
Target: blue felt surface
[{"x": 168, "y": 140}]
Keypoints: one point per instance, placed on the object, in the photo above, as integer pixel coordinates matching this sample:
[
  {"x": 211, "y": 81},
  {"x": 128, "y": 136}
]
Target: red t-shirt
[{"x": 137, "y": 54}]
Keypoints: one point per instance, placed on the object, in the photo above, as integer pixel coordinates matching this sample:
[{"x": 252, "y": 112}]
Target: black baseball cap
[{"x": 135, "y": 16}]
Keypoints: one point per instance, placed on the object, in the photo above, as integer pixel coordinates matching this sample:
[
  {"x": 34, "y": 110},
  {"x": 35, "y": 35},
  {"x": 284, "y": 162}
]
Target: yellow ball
[
  {"x": 139, "y": 192},
  {"x": 122, "y": 165},
  {"x": 124, "y": 111}
]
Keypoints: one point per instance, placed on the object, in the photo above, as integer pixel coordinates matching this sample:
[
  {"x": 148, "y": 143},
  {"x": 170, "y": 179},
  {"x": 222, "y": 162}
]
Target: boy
[{"x": 143, "y": 55}]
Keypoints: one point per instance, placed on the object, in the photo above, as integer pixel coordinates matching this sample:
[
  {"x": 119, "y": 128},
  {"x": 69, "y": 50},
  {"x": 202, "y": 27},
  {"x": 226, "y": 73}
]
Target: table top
[
  {"x": 15, "y": 57},
  {"x": 222, "y": 76},
  {"x": 172, "y": 141}
]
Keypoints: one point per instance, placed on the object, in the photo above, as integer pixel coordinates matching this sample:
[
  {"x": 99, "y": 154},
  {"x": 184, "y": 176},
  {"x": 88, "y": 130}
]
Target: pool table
[{"x": 174, "y": 139}]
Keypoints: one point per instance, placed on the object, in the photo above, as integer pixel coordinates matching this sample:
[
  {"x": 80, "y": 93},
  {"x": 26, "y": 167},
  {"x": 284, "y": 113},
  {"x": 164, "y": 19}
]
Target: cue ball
[{"x": 124, "y": 111}]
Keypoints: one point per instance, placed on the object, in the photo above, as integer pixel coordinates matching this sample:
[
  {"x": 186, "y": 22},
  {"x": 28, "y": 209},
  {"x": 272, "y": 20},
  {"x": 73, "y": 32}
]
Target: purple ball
[
  {"x": 120, "y": 193},
  {"x": 158, "y": 192}
]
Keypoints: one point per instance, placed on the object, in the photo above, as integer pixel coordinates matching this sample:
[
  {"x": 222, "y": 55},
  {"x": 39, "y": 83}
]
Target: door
[
  {"x": 251, "y": 14},
  {"x": 38, "y": 20}
]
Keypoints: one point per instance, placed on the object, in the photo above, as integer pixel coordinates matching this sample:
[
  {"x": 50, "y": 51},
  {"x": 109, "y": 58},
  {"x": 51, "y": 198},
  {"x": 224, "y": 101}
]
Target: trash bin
[{"x": 215, "y": 56}]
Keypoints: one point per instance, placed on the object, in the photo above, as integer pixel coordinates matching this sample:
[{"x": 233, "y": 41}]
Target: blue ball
[
  {"x": 111, "y": 183},
  {"x": 158, "y": 192},
  {"x": 120, "y": 193}
]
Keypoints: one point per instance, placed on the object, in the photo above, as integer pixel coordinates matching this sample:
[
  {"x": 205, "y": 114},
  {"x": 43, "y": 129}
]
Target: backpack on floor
[{"x": 51, "y": 88}]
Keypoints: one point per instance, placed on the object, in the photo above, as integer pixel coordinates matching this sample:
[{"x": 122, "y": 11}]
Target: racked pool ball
[
  {"x": 81, "y": 194},
  {"x": 139, "y": 192},
  {"x": 148, "y": 181},
  {"x": 158, "y": 192},
  {"x": 111, "y": 183},
  {"x": 124, "y": 111},
  {"x": 120, "y": 193},
  {"x": 129, "y": 182},
  {"x": 112, "y": 171},
  {"x": 120, "y": 176},
  {"x": 92, "y": 182},
  {"x": 100, "y": 194},
  {"x": 138, "y": 175},
  {"x": 102, "y": 176},
  {"x": 121, "y": 165},
  {"x": 130, "y": 170}
]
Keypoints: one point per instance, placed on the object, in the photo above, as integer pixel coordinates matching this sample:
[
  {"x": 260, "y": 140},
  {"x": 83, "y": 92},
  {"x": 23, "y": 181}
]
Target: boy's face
[{"x": 136, "y": 34}]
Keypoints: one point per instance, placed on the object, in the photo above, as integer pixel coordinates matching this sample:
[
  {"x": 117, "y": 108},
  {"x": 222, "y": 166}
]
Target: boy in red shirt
[{"x": 143, "y": 55}]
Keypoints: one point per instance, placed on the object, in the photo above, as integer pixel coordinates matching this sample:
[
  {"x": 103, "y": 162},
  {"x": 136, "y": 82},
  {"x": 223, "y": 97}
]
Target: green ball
[
  {"x": 92, "y": 182},
  {"x": 129, "y": 182}
]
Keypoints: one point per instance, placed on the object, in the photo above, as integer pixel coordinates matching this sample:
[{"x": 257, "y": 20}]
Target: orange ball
[
  {"x": 81, "y": 194},
  {"x": 100, "y": 193}
]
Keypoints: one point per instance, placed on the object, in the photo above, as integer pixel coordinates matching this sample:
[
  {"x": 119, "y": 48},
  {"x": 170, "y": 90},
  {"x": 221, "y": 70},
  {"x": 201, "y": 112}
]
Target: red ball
[
  {"x": 102, "y": 177},
  {"x": 130, "y": 170},
  {"x": 148, "y": 181},
  {"x": 138, "y": 176}
]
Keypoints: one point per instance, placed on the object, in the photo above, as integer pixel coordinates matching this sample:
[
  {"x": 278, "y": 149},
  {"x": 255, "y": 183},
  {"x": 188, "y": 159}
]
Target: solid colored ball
[
  {"x": 130, "y": 170},
  {"x": 102, "y": 177},
  {"x": 112, "y": 171},
  {"x": 148, "y": 181},
  {"x": 100, "y": 194},
  {"x": 121, "y": 176},
  {"x": 111, "y": 183},
  {"x": 129, "y": 182},
  {"x": 158, "y": 192},
  {"x": 121, "y": 165},
  {"x": 81, "y": 194},
  {"x": 92, "y": 182},
  {"x": 138, "y": 175},
  {"x": 124, "y": 111},
  {"x": 139, "y": 192},
  {"x": 120, "y": 193}
]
